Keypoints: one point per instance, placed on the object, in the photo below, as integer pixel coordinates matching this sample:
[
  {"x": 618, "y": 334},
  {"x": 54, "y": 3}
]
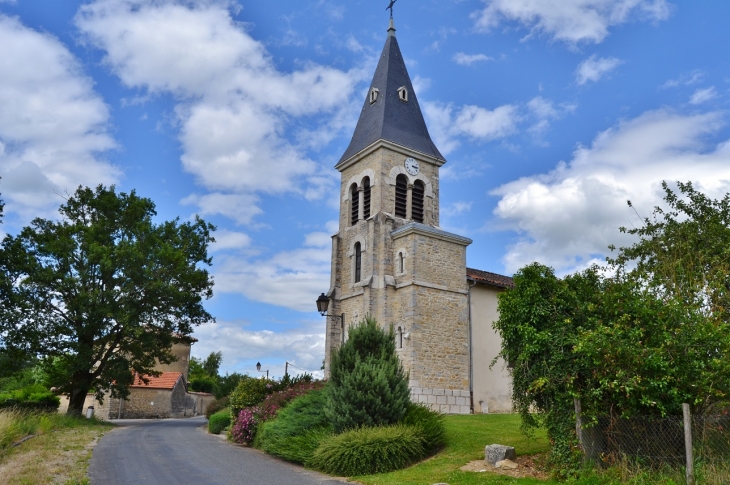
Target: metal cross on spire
[{"x": 390, "y": 7}]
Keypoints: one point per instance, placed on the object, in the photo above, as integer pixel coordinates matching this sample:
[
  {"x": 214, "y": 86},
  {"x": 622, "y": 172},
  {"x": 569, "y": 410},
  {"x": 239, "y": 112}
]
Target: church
[{"x": 392, "y": 261}]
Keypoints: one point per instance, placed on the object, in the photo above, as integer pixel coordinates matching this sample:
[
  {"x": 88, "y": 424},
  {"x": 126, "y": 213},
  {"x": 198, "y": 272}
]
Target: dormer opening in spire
[
  {"x": 374, "y": 92},
  {"x": 403, "y": 94}
]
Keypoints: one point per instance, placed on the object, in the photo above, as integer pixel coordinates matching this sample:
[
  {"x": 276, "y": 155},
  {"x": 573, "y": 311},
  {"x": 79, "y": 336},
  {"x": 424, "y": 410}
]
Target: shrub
[
  {"x": 219, "y": 421},
  {"x": 35, "y": 397},
  {"x": 216, "y": 406},
  {"x": 430, "y": 425},
  {"x": 203, "y": 384},
  {"x": 366, "y": 451},
  {"x": 244, "y": 429},
  {"x": 249, "y": 392},
  {"x": 297, "y": 430},
  {"x": 367, "y": 385}
]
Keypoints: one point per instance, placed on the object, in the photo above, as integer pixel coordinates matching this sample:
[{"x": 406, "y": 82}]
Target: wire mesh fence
[{"x": 659, "y": 444}]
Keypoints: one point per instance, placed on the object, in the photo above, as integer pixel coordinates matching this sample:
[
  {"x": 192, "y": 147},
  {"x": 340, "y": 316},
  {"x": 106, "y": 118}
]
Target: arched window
[
  {"x": 401, "y": 263},
  {"x": 417, "y": 204},
  {"x": 401, "y": 196},
  {"x": 354, "y": 204},
  {"x": 399, "y": 338},
  {"x": 366, "y": 198},
  {"x": 358, "y": 262}
]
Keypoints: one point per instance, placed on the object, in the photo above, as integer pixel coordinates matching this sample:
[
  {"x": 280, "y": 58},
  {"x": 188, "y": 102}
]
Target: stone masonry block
[
  {"x": 444, "y": 409},
  {"x": 422, "y": 398},
  {"x": 453, "y": 409},
  {"x": 439, "y": 392},
  {"x": 441, "y": 400},
  {"x": 461, "y": 401},
  {"x": 431, "y": 399},
  {"x": 495, "y": 453},
  {"x": 450, "y": 400},
  {"x": 449, "y": 392},
  {"x": 464, "y": 410}
]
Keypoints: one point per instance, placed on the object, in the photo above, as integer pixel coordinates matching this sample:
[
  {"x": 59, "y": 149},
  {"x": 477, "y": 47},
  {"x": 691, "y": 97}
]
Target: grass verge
[
  {"x": 59, "y": 454},
  {"x": 466, "y": 437}
]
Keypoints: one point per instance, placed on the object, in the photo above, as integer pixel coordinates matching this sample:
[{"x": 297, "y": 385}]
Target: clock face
[{"x": 412, "y": 166}]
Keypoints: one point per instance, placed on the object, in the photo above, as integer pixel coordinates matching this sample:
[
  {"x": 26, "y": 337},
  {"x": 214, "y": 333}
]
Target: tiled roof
[
  {"x": 487, "y": 278},
  {"x": 166, "y": 380},
  {"x": 389, "y": 118}
]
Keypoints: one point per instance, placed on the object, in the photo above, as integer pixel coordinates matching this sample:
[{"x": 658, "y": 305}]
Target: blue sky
[{"x": 551, "y": 115}]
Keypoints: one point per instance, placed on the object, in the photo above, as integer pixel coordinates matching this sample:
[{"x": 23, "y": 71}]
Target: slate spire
[{"x": 389, "y": 117}]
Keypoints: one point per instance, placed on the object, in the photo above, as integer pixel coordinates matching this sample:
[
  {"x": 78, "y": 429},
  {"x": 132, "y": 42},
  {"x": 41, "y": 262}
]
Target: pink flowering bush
[{"x": 244, "y": 429}]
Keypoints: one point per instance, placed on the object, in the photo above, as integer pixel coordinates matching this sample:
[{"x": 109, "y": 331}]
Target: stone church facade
[{"x": 391, "y": 260}]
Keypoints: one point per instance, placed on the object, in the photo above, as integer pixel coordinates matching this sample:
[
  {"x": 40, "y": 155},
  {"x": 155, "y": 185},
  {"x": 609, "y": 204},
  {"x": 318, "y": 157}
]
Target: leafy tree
[
  {"x": 212, "y": 363},
  {"x": 367, "y": 385},
  {"x": 227, "y": 384},
  {"x": 105, "y": 289}
]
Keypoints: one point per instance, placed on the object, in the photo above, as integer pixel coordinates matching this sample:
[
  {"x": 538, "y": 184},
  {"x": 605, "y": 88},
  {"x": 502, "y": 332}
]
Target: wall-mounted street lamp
[
  {"x": 322, "y": 304},
  {"x": 258, "y": 369}
]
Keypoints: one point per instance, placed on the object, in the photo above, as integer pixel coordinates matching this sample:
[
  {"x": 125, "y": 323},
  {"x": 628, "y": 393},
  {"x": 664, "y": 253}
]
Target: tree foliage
[
  {"x": 367, "y": 385},
  {"x": 105, "y": 290},
  {"x": 642, "y": 341}
]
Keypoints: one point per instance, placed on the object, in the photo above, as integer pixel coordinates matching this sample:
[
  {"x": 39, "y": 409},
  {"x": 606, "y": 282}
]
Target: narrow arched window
[
  {"x": 358, "y": 262},
  {"x": 401, "y": 196},
  {"x": 354, "y": 204},
  {"x": 417, "y": 204},
  {"x": 366, "y": 198},
  {"x": 399, "y": 338},
  {"x": 401, "y": 263}
]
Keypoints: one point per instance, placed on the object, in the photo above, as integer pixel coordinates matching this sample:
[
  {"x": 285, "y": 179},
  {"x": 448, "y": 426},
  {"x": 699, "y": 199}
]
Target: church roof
[
  {"x": 389, "y": 118},
  {"x": 166, "y": 380},
  {"x": 492, "y": 279}
]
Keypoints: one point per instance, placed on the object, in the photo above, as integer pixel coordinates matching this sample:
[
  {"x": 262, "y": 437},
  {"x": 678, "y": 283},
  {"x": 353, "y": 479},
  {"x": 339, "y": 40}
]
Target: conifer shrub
[
  {"x": 297, "y": 430},
  {"x": 219, "y": 421},
  {"x": 367, "y": 385},
  {"x": 365, "y": 451}
]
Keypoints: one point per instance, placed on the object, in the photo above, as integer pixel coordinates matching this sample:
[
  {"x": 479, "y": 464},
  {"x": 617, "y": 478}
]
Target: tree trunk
[{"x": 76, "y": 400}]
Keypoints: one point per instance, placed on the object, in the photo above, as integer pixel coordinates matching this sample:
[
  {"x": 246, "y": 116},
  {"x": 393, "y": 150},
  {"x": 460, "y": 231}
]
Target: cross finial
[{"x": 390, "y": 7}]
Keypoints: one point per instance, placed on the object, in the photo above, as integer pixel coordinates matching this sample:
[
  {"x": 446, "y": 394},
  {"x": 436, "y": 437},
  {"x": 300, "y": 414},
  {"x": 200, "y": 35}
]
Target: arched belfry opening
[
  {"x": 417, "y": 203},
  {"x": 401, "y": 196}
]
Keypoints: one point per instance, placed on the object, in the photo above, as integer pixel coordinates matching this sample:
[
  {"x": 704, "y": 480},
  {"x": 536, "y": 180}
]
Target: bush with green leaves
[
  {"x": 249, "y": 392},
  {"x": 297, "y": 430},
  {"x": 34, "y": 397},
  {"x": 365, "y": 451},
  {"x": 216, "y": 406},
  {"x": 219, "y": 421},
  {"x": 367, "y": 385}
]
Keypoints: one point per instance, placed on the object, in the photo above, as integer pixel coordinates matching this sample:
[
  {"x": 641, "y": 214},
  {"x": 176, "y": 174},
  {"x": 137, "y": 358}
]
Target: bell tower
[{"x": 390, "y": 259}]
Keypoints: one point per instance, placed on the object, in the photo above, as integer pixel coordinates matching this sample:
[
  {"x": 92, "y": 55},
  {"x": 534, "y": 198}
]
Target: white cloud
[
  {"x": 242, "y": 208},
  {"x": 686, "y": 79},
  {"x": 457, "y": 208},
  {"x": 53, "y": 126},
  {"x": 227, "y": 240},
  {"x": 302, "y": 346},
  {"x": 446, "y": 123},
  {"x": 568, "y": 217},
  {"x": 594, "y": 68},
  {"x": 234, "y": 106},
  {"x": 469, "y": 59},
  {"x": 570, "y": 21},
  {"x": 703, "y": 95},
  {"x": 291, "y": 279}
]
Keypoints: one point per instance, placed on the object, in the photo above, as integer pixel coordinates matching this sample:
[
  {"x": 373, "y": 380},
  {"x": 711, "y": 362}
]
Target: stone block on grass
[{"x": 496, "y": 453}]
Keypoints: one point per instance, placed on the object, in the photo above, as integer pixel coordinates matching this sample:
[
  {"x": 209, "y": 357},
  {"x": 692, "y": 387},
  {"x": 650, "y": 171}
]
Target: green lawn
[{"x": 467, "y": 437}]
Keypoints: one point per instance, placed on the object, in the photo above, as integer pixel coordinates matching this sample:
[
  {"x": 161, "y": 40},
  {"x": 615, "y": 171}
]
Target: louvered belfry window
[
  {"x": 358, "y": 261},
  {"x": 401, "y": 196},
  {"x": 418, "y": 192},
  {"x": 366, "y": 198},
  {"x": 354, "y": 204}
]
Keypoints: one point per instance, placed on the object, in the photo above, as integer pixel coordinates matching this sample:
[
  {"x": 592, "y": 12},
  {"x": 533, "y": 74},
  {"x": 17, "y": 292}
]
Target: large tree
[{"x": 105, "y": 291}]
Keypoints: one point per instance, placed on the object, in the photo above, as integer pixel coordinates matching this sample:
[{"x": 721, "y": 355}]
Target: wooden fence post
[{"x": 688, "y": 444}]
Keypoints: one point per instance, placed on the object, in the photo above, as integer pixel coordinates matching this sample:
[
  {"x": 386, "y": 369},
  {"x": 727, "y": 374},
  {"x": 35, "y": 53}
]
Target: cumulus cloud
[
  {"x": 570, "y": 21},
  {"x": 594, "y": 68},
  {"x": 234, "y": 106},
  {"x": 568, "y": 217},
  {"x": 53, "y": 126},
  {"x": 287, "y": 279},
  {"x": 703, "y": 95},
  {"x": 302, "y": 346},
  {"x": 686, "y": 79},
  {"x": 469, "y": 59}
]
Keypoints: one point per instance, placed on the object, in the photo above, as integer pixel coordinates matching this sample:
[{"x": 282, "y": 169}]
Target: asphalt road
[{"x": 180, "y": 452}]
